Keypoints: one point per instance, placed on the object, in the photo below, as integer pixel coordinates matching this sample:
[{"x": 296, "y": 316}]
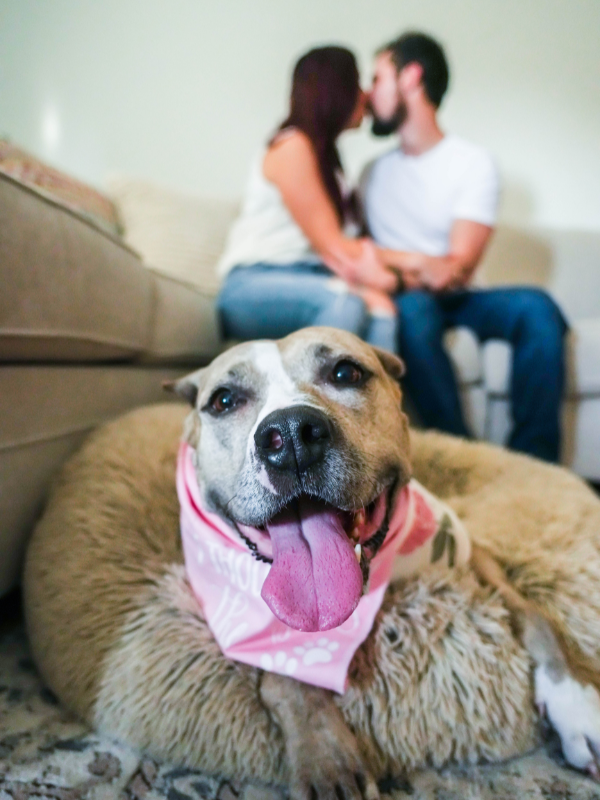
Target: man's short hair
[{"x": 422, "y": 49}]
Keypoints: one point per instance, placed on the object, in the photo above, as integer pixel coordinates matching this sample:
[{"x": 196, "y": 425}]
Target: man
[{"x": 431, "y": 205}]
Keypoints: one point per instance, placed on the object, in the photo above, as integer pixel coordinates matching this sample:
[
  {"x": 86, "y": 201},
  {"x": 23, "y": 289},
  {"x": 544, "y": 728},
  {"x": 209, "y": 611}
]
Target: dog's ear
[
  {"x": 188, "y": 387},
  {"x": 393, "y": 365}
]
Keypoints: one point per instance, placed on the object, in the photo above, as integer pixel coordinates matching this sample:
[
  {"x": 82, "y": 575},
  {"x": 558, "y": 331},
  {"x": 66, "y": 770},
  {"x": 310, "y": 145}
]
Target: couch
[
  {"x": 91, "y": 323},
  {"x": 87, "y": 331},
  {"x": 567, "y": 264}
]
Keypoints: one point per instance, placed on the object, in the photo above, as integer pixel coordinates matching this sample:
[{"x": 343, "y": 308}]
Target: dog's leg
[
  {"x": 564, "y": 691},
  {"x": 323, "y": 757}
]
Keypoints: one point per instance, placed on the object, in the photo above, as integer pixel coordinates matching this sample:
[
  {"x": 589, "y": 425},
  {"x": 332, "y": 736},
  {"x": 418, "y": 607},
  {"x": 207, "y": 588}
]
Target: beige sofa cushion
[
  {"x": 583, "y": 362},
  {"x": 465, "y": 354},
  {"x": 46, "y": 412},
  {"x": 180, "y": 234},
  {"x": 565, "y": 262},
  {"x": 73, "y": 293},
  {"x": 184, "y": 327},
  {"x": 69, "y": 291}
]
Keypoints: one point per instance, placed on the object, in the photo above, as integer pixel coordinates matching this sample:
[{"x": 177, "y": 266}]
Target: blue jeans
[
  {"x": 265, "y": 301},
  {"x": 527, "y": 318}
]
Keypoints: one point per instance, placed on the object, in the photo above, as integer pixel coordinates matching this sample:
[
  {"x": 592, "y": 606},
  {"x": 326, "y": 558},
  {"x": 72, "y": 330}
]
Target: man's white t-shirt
[{"x": 411, "y": 202}]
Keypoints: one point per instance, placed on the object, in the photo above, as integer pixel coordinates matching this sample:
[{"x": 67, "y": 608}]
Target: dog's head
[{"x": 301, "y": 446}]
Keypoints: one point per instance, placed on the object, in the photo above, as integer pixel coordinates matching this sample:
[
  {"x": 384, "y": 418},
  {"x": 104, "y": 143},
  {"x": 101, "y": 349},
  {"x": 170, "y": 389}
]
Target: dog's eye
[
  {"x": 346, "y": 373},
  {"x": 223, "y": 400}
]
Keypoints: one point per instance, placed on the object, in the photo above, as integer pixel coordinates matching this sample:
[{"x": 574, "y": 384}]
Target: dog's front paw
[
  {"x": 573, "y": 710},
  {"x": 322, "y": 752},
  {"x": 328, "y": 765}
]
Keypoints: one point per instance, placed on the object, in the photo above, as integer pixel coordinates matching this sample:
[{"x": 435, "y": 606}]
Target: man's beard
[{"x": 385, "y": 127}]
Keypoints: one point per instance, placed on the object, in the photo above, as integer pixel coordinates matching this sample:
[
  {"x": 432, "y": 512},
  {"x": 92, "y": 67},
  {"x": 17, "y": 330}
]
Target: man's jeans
[
  {"x": 528, "y": 319},
  {"x": 265, "y": 301}
]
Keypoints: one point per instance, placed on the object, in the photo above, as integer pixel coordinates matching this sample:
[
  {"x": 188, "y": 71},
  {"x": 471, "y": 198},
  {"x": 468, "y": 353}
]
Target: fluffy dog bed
[{"x": 119, "y": 637}]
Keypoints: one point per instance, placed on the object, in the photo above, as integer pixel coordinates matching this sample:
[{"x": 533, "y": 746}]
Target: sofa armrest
[{"x": 70, "y": 292}]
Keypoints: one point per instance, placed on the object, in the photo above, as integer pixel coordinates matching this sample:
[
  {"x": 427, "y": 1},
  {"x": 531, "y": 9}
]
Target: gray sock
[{"x": 382, "y": 331}]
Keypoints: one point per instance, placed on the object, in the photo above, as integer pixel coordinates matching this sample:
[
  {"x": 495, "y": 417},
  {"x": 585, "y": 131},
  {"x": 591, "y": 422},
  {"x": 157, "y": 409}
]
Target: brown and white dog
[{"x": 318, "y": 414}]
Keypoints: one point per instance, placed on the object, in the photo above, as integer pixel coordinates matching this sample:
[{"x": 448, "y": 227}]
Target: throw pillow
[
  {"x": 180, "y": 234},
  {"x": 63, "y": 189}
]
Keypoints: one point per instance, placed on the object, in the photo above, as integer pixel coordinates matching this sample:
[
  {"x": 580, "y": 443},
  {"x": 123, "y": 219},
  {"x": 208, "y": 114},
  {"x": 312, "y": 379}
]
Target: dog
[
  {"x": 319, "y": 415},
  {"x": 312, "y": 427}
]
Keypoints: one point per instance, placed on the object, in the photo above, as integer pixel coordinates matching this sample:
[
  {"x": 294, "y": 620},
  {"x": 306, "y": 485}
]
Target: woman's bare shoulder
[
  {"x": 291, "y": 146},
  {"x": 290, "y": 137}
]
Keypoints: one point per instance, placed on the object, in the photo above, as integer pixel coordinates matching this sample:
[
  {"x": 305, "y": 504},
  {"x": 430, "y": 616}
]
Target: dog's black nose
[{"x": 293, "y": 439}]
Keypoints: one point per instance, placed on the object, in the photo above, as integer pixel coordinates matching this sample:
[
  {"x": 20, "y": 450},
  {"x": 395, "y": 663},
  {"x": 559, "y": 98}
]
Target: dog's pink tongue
[{"x": 315, "y": 581}]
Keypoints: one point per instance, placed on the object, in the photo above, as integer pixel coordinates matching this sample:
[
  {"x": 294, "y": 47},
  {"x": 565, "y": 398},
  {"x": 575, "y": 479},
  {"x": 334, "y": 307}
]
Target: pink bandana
[{"x": 228, "y": 580}]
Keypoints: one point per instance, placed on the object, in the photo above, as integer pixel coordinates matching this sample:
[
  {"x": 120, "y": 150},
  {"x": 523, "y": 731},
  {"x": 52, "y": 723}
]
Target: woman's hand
[
  {"x": 372, "y": 271},
  {"x": 359, "y": 262}
]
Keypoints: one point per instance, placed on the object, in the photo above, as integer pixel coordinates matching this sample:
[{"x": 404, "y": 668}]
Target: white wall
[{"x": 184, "y": 91}]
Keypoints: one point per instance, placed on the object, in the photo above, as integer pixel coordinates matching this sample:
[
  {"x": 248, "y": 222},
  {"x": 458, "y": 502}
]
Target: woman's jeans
[{"x": 264, "y": 301}]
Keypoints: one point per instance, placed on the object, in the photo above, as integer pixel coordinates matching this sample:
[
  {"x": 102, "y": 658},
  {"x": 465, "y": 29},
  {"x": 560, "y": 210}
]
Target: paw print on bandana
[
  {"x": 319, "y": 653},
  {"x": 279, "y": 663}
]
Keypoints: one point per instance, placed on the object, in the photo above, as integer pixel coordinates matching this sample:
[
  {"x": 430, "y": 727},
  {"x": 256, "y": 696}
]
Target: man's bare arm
[{"x": 468, "y": 241}]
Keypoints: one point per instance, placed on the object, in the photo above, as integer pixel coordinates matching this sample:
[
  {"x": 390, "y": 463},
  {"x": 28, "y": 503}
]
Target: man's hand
[
  {"x": 412, "y": 277},
  {"x": 436, "y": 273},
  {"x": 468, "y": 241},
  {"x": 441, "y": 274}
]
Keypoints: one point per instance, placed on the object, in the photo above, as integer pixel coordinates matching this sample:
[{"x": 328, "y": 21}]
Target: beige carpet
[{"x": 46, "y": 753}]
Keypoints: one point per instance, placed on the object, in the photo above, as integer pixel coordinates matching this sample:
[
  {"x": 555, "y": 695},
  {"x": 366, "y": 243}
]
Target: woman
[{"x": 292, "y": 259}]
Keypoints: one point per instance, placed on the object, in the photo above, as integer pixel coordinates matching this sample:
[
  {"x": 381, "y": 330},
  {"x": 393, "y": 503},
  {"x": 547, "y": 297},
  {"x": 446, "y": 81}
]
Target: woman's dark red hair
[{"x": 325, "y": 87}]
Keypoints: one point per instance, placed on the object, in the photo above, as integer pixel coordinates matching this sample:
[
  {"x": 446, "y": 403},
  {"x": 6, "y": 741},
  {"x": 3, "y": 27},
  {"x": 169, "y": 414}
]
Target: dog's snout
[{"x": 293, "y": 439}]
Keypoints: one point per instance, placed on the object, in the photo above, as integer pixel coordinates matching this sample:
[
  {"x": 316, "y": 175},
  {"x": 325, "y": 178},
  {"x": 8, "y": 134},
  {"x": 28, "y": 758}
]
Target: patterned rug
[{"x": 47, "y": 753}]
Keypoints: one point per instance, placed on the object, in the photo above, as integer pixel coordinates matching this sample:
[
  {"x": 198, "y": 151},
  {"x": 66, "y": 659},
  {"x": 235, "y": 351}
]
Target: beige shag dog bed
[{"x": 120, "y": 638}]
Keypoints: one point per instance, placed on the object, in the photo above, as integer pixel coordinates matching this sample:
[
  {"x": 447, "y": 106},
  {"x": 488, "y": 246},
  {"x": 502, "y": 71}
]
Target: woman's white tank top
[{"x": 265, "y": 231}]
